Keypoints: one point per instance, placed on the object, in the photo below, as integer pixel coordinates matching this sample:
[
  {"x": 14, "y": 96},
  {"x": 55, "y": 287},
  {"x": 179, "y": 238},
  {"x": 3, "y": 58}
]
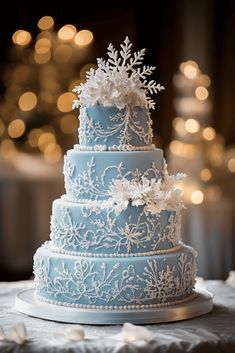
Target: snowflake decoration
[{"x": 119, "y": 81}]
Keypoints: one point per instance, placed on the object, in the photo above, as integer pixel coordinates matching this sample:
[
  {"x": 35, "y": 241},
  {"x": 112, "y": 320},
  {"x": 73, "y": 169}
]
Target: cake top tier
[{"x": 119, "y": 81}]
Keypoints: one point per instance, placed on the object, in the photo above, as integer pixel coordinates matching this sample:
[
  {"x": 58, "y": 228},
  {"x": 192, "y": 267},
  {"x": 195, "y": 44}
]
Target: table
[{"x": 211, "y": 333}]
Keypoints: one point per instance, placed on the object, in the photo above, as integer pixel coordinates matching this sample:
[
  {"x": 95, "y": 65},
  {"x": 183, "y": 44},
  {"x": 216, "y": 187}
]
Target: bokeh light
[
  {"x": 205, "y": 174},
  {"x": 197, "y": 197},
  {"x": 2, "y": 127},
  {"x": 231, "y": 165},
  {"x": 42, "y": 57},
  {"x": 45, "y": 23},
  {"x": 63, "y": 53},
  {"x": 65, "y": 102},
  {"x": 209, "y": 133},
  {"x": 27, "y": 101},
  {"x": 83, "y": 38},
  {"x": 42, "y": 46},
  {"x": 16, "y": 128},
  {"x": 67, "y": 32},
  {"x": 52, "y": 153},
  {"x": 69, "y": 124},
  {"x": 7, "y": 148},
  {"x": 21, "y": 37},
  {"x": 192, "y": 125},
  {"x": 179, "y": 125},
  {"x": 189, "y": 69},
  {"x": 45, "y": 139},
  {"x": 201, "y": 93},
  {"x": 205, "y": 80},
  {"x": 33, "y": 137}
]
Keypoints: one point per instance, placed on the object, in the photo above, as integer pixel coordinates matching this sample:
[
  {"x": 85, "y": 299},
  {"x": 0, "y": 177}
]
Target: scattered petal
[
  {"x": 18, "y": 333},
  {"x": 75, "y": 333}
]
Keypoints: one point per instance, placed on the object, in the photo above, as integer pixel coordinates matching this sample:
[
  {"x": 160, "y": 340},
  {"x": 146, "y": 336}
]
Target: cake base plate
[{"x": 200, "y": 304}]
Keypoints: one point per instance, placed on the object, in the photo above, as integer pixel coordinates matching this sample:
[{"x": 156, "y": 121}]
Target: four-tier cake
[{"x": 115, "y": 242}]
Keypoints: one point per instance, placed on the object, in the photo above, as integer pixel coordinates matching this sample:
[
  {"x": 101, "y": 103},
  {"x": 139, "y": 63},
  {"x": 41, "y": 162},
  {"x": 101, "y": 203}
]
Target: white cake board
[{"x": 27, "y": 303}]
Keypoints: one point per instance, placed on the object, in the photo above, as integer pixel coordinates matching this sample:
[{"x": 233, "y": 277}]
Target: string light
[
  {"x": 67, "y": 32},
  {"x": 21, "y": 37},
  {"x": 192, "y": 126},
  {"x": 205, "y": 174},
  {"x": 45, "y": 23},
  {"x": 209, "y": 133},
  {"x": 27, "y": 101},
  {"x": 231, "y": 165},
  {"x": 65, "y": 102},
  {"x": 16, "y": 128},
  {"x": 201, "y": 93},
  {"x": 197, "y": 197},
  {"x": 83, "y": 38}
]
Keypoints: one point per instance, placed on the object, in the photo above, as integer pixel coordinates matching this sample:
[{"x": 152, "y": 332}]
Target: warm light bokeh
[
  {"x": 45, "y": 22},
  {"x": 27, "y": 101},
  {"x": 67, "y": 32},
  {"x": 83, "y": 37},
  {"x": 65, "y": 102},
  {"x": 192, "y": 126},
  {"x": 16, "y": 128},
  {"x": 197, "y": 197},
  {"x": 21, "y": 37}
]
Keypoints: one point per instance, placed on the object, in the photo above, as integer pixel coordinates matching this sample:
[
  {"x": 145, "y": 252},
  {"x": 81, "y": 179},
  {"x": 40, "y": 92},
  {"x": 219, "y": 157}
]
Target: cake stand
[{"x": 200, "y": 304}]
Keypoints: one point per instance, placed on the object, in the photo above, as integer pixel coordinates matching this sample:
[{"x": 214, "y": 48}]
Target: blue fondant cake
[{"x": 115, "y": 239}]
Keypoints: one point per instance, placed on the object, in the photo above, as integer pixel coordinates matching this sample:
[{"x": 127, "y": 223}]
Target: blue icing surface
[
  {"x": 89, "y": 174},
  {"x": 110, "y": 126},
  {"x": 114, "y": 281},
  {"x": 83, "y": 229}
]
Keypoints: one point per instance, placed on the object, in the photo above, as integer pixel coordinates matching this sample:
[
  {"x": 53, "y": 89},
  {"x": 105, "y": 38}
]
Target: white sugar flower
[{"x": 118, "y": 81}]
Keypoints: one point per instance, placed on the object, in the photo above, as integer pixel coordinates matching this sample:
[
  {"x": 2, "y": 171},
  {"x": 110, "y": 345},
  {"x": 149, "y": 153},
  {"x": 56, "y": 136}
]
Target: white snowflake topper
[{"x": 118, "y": 81}]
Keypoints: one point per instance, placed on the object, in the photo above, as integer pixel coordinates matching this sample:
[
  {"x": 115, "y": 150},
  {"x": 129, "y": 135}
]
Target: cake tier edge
[
  {"x": 90, "y": 229},
  {"x": 108, "y": 283}
]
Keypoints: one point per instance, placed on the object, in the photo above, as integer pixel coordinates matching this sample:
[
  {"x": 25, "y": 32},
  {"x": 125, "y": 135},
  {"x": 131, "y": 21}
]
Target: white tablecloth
[{"x": 211, "y": 333}]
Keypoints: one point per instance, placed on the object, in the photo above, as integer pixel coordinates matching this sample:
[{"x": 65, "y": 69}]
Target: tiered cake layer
[
  {"x": 110, "y": 126},
  {"x": 89, "y": 174},
  {"x": 83, "y": 229},
  {"x": 114, "y": 283}
]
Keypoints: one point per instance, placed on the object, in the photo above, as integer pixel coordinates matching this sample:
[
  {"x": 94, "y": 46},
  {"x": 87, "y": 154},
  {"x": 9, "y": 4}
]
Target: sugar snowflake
[{"x": 119, "y": 81}]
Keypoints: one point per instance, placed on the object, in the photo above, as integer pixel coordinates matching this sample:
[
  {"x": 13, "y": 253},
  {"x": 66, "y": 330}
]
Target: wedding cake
[{"x": 115, "y": 242}]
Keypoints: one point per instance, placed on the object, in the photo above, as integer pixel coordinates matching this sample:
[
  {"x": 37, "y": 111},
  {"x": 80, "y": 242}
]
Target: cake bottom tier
[{"x": 114, "y": 283}]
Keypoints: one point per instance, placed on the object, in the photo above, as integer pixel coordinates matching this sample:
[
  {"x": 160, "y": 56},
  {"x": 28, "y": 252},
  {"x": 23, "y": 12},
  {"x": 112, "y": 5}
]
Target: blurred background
[{"x": 46, "y": 49}]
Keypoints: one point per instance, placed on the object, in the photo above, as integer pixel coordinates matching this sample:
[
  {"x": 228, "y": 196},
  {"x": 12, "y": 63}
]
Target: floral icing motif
[
  {"x": 96, "y": 187},
  {"x": 118, "y": 81},
  {"x": 109, "y": 235},
  {"x": 88, "y": 283},
  {"x": 155, "y": 194},
  {"x": 125, "y": 124}
]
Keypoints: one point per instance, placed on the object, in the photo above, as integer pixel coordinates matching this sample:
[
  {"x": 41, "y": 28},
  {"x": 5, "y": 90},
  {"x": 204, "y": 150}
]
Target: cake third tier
[{"x": 82, "y": 229}]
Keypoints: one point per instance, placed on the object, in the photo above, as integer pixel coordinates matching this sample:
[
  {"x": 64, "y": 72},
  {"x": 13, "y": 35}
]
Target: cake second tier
[{"x": 89, "y": 174}]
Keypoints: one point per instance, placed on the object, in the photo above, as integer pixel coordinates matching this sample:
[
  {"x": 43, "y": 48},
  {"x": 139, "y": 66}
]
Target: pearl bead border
[
  {"x": 53, "y": 248},
  {"x": 126, "y": 148},
  {"x": 117, "y": 307}
]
